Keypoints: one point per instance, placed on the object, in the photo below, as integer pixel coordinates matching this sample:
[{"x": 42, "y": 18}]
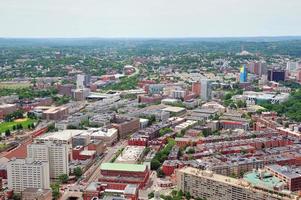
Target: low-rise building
[
  {"x": 36, "y": 194},
  {"x": 123, "y": 174},
  {"x": 131, "y": 155}
]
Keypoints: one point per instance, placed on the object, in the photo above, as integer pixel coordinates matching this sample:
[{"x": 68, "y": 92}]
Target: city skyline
[{"x": 149, "y": 19}]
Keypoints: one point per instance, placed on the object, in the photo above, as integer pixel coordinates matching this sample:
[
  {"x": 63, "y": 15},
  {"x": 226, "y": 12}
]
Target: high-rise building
[
  {"x": 206, "y": 89},
  {"x": 196, "y": 88},
  {"x": 55, "y": 154},
  {"x": 243, "y": 74},
  {"x": 27, "y": 173},
  {"x": 258, "y": 68},
  {"x": 276, "y": 75},
  {"x": 80, "y": 79},
  {"x": 292, "y": 66}
]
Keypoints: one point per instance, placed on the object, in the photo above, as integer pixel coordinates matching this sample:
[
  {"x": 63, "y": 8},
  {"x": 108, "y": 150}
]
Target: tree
[
  {"x": 55, "y": 190},
  {"x": 191, "y": 151},
  {"x": 19, "y": 126},
  {"x": 63, "y": 178},
  {"x": 78, "y": 172},
  {"x": 7, "y": 133},
  {"x": 187, "y": 195},
  {"x": 241, "y": 104},
  {"x": 17, "y": 196},
  {"x": 155, "y": 164},
  {"x": 14, "y": 127},
  {"x": 160, "y": 173}
]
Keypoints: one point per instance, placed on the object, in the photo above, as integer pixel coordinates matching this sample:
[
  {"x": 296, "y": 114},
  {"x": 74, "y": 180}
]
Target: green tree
[
  {"x": 155, "y": 164},
  {"x": 78, "y": 172},
  {"x": 63, "y": 178},
  {"x": 55, "y": 191},
  {"x": 7, "y": 133}
]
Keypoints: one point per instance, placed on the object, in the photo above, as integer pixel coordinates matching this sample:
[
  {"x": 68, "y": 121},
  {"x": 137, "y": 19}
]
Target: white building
[
  {"x": 178, "y": 94},
  {"x": 109, "y": 136},
  {"x": 205, "y": 90},
  {"x": 55, "y": 154},
  {"x": 27, "y": 173},
  {"x": 80, "y": 79}
]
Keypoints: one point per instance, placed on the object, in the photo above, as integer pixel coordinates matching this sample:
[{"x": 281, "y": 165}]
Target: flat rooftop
[
  {"x": 61, "y": 135},
  {"x": 263, "y": 180},
  {"x": 173, "y": 109},
  {"x": 123, "y": 167}
]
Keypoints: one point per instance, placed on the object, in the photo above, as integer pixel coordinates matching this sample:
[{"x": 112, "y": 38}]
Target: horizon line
[{"x": 146, "y": 37}]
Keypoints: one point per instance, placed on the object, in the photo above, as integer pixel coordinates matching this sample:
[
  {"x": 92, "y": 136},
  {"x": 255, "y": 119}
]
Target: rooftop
[
  {"x": 61, "y": 135},
  {"x": 263, "y": 180},
  {"x": 123, "y": 167},
  {"x": 174, "y": 109}
]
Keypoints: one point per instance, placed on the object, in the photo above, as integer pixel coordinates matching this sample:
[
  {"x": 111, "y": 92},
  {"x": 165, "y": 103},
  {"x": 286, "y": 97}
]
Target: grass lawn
[{"x": 9, "y": 125}]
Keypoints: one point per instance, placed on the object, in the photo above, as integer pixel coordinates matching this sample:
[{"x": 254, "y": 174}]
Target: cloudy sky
[{"x": 149, "y": 18}]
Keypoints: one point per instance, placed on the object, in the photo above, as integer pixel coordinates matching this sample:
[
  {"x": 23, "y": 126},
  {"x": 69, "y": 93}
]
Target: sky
[{"x": 149, "y": 18}]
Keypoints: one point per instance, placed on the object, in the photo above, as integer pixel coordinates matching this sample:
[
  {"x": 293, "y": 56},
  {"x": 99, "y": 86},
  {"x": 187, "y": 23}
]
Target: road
[{"x": 74, "y": 190}]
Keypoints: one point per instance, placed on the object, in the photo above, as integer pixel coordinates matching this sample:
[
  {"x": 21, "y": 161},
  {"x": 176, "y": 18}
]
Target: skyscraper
[
  {"x": 243, "y": 74},
  {"x": 276, "y": 75},
  {"x": 205, "y": 90}
]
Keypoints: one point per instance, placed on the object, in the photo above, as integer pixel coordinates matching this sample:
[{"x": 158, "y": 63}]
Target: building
[
  {"x": 110, "y": 191},
  {"x": 149, "y": 99},
  {"x": 291, "y": 176},
  {"x": 276, "y": 75},
  {"x": 258, "y": 68},
  {"x": 178, "y": 94},
  {"x": 56, "y": 113},
  {"x": 125, "y": 125},
  {"x": 66, "y": 89},
  {"x": 175, "y": 111},
  {"x": 59, "y": 137},
  {"x": 155, "y": 88},
  {"x": 109, "y": 136},
  {"x": 196, "y": 88},
  {"x": 26, "y": 173},
  {"x": 6, "y": 109},
  {"x": 123, "y": 174},
  {"x": 56, "y": 154},
  {"x": 131, "y": 155},
  {"x": 210, "y": 186},
  {"x": 80, "y": 94},
  {"x": 83, "y": 81},
  {"x": 243, "y": 74},
  {"x": 292, "y": 66},
  {"x": 82, "y": 153},
  {"x": 36, "y": 194},
  {"x": 206, "y": 90}
]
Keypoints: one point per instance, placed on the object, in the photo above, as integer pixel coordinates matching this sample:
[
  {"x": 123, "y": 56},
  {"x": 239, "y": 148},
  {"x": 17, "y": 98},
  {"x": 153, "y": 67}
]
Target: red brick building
[
  {"x": 124, "y": 174},
  {"x": 126, "y": 125}
]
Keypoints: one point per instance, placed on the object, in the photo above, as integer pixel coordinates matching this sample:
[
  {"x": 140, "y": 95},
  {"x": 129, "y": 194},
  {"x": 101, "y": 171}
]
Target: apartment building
[
  {"x": 26, "y": 173},
  {"x": 206, "y": 184},
  {"x": 55, "y": 154}
]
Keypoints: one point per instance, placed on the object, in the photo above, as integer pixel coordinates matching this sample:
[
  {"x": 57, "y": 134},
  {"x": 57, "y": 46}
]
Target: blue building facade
[{"x": 243, "y": 74}]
